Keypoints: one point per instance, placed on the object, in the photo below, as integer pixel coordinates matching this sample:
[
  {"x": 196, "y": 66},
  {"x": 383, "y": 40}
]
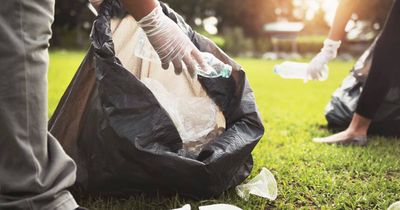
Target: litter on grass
[
  {"x": 185, "y": 207},
  {"x": 219, "y": 207},
  {"x": 263, "y": 185},
  {"x": 211, "y": 207},
  {"x": 395, "y": 206}
]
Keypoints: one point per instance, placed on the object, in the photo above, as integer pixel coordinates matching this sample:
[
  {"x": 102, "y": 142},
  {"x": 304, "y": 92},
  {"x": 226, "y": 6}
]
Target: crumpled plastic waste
[
  {"x": 185, "y": 207},
  {"x": 194, "y": 117},
  {"x": 263, "y": 185},
  {"x": 219, "y": 207},
  {"x": 394, "y": 206},
  {"x": 212, "y": 207}
]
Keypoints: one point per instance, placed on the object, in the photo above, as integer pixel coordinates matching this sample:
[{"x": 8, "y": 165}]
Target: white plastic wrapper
[
  {"x": 211, "y": 207},
  {"x": 394, "y": 206},
  {"x": 185, "y": 207},
  {"x": 194, "y": 117},
  {"x": 219, "y": 207},
  {"x": 263, "y": 185}
]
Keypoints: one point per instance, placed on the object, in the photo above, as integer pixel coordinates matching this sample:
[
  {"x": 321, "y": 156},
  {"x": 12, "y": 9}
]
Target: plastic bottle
[
  {"x": 296, "y": 70},
  {"x": 218, "y": 68},
  {"x": 144, "y": 50}
]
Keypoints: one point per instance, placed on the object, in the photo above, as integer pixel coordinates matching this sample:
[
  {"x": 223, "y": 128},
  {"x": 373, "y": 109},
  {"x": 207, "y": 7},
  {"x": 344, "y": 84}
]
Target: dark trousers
[{"x": 385, "y": 69}]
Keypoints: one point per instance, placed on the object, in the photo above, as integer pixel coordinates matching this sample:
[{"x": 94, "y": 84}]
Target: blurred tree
[
  {"x": 374, "y": 11},
  {"x": 237, "y": 43},
  {"x": 249, "y": 15},
  {"x": 317, "y": 25},
  {"x": 72, "y": 23},
  {"x": 192, "y": 9},
  {"x": 73, "y": 19}
]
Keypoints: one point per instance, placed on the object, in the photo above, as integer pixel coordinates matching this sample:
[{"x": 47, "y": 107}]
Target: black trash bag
[
  {"x": 124, "y": 142},
  {"x": 343, "y": 104}
]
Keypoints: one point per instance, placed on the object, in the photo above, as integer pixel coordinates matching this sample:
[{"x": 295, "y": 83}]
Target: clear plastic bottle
[
  {"x": 296, "y": 70},
  {"x": 144, "y": 50},
  {"x": 218, "y": 68}
]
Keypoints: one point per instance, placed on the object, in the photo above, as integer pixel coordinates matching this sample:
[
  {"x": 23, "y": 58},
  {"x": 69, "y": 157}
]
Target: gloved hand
[
  {"x": 170, "y": 43},
  {"x": 317, "y": 64}
]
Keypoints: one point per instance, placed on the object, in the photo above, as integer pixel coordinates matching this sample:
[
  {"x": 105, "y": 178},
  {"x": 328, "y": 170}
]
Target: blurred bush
[
  {"x": 218, "y": 39},
  {"x": 305, "y": 44},
  {"x": 72, "y": 24},
  {"x": 262, "y": 45},
  {"x": 236, "y": 43}
]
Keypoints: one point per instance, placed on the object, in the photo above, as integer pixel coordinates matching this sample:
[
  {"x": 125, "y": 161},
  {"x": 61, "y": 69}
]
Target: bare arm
[
  {"x": 318, "y": 64},
  {"x": 343, "y": 15},
  {"x": 139, "y": 8}
]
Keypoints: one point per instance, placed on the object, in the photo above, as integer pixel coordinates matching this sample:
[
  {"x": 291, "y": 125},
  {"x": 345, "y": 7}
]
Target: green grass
[
  {"x": 310, "y": 176},
  {"x": 63, "y": 65}
]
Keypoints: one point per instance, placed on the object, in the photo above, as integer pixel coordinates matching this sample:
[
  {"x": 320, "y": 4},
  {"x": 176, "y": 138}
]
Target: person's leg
[
  {"x": 356, "y": 133},
  {"x": 384, "y": 68},
  {"x": 34, "y": 170},
  {"x": 384, "y": 71}
]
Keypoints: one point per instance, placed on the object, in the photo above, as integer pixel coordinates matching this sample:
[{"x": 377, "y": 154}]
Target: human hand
[
  {"x": 170, "y": 43},
  {"x": 319, "y": 62}
]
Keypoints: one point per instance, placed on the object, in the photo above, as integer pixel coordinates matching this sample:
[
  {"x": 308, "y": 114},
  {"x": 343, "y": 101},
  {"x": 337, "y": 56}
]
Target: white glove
[
  {"x": 170, "y": 43},
  {"x": 319, "y": 62}
]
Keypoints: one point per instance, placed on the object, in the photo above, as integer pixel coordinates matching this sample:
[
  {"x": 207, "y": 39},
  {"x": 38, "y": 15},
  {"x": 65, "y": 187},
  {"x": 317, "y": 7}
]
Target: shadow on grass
[{"x": 157, "y": 201}]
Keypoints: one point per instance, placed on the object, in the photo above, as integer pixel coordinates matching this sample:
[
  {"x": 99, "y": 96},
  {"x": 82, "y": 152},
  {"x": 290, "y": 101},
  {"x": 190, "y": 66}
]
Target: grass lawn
[{"x": 309, "y": 175}]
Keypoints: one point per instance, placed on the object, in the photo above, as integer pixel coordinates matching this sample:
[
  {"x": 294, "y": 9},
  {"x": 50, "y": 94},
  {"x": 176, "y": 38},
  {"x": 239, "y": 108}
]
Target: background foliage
[{"x": 240, "y": 22}]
